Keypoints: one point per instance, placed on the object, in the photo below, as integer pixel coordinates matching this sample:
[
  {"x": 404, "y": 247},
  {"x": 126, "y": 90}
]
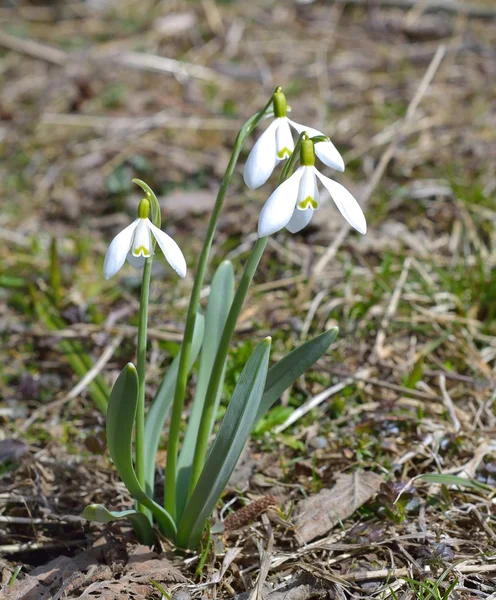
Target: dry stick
[
  {"x": 258, "y": 593},
  {"x": 318, "y": 399},
  {"x": 163, "y": 64},
  {"x": 80, "y": 386},
  {"x": 450, "y": 6},
  {"x": 386, "y": 157},
  {"x": 34, "y": 49},
  {"x": 404, "y": 572},
  {"x": 448, "y": 402}
]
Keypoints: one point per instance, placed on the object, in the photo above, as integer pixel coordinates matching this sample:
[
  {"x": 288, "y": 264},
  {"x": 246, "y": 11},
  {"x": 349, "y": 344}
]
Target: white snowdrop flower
[
  {"x": 293, "y": 203},
  {"x": 277, "y": 144},
  {"x": 135, "y": 243}
]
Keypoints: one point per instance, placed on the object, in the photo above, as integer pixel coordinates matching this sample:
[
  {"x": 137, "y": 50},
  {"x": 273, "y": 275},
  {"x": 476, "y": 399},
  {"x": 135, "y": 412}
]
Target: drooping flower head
[
  {"x": 276, "y": 144},
  {"x": 293, "y": 203},
  {"x": 135, "y": 243}
]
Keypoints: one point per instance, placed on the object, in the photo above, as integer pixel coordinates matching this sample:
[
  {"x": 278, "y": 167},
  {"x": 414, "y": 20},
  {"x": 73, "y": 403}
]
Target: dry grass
[{"x": 90, "y": 99}]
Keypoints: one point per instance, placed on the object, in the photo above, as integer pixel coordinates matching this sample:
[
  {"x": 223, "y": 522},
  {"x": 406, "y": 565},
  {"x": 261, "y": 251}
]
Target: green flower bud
[
  {"x": 280, "y": 104},
  {"x": 307, "y": 153},
  {"x": 144, "y": 209}
]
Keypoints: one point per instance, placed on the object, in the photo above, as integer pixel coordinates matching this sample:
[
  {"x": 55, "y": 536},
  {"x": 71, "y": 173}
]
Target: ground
[{"x": 397, "y": 419}]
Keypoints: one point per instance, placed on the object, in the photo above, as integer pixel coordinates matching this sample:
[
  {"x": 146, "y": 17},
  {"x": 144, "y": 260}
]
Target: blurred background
[{"x": 96, "y": 92}]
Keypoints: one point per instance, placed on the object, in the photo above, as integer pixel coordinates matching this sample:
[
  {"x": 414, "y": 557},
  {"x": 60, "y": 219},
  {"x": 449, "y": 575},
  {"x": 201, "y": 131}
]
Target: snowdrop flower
[
  {"x": 277, "y": 144},
  {"x": 293, "y": 203},
  {"x": 135, "y": 243}
]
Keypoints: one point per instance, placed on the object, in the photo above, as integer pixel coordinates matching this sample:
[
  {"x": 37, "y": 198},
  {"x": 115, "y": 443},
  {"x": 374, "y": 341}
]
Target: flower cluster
[{"x": 291, "y": 205}]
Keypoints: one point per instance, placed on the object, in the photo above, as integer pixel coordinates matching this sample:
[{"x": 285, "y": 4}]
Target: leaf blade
[
  {"x": 101, "y": 514},
  {"x": 121, "y": 414},
  {"x": 219, "y": 303},
  {"x": 227, "y": 446},
  {"x": 159, "y": 408},
  {"x": 285, "y": 372}
]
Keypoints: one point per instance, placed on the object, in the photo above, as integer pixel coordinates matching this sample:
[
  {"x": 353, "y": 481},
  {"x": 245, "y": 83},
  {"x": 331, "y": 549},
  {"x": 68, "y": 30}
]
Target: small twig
[
  {"x": 257, "y": 593},
  {"x": 80, "y": 386},
  {"x": 450, "y": 6},
  {"x": 448, "y": 402},
  {"x": 386, "y": 157},
  {"x": 318, "y": 399},
  {"x": 34, "y": 49},
  {"x": 163, "y": 64}
]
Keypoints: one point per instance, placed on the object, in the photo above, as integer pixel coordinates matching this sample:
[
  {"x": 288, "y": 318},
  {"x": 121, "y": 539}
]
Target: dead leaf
[
  {"x": 67, "y": 577},
  {"x": 12, "y": 449},
  {"x": 320, "y": 513}
]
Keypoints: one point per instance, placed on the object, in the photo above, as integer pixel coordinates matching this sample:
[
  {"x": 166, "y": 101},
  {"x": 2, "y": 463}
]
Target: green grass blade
[
  {"x": 226, "y": 449},
  {"x": 455, "y": 480},
  {"x": 120, "y": 423},
  {"x": 159, "y": 408},
  {"x": 285, "y": 372},
  {"x": 141, "y": 524},
  {"x": 219, "y": 303},
  {"x": 73, "y": 350}
]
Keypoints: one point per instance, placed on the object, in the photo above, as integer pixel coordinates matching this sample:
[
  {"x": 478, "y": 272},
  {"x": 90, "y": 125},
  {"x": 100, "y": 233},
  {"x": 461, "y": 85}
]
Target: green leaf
[
  {"x": 159, "y": 408},
  {"x": 156, "y": 217},
  {"x": 415, "y": 375},
  {"x": 454, "y": 480},
  {"x": 219, "y": 303},
  {"x": 120, "y": 423},
  {"x": 285, "y": 372},
  {"x": 100, "y": 514},
  {"x": 226, "y": 448}
]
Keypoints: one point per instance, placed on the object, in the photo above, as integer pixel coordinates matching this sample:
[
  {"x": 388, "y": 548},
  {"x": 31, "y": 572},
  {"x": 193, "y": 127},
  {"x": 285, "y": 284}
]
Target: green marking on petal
[
  {"x": 140, "y": 251},
  {"x": 284, "y": 153},
  {"x": 308, "y": 202}
]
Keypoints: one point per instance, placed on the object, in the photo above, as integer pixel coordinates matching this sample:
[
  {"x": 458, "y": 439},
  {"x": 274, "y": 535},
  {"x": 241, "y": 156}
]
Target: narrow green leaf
[
  {"x": 100, "y": 514},
  {"x": 227, "y": 447},
  {"x": 120, "y": 423},
  {"x": 159, "y": 408},
  {"x": 219, "y": 303},
  {"x": 285, "y": 372},
  {"x": 455, "y": 480}
]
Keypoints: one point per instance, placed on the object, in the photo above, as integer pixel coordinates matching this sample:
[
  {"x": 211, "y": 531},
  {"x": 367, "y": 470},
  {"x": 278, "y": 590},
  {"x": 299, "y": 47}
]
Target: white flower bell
[
  {"x": 276, "y": 144},
  {"x": 293, "y": 203},
  {"x": 135, "y": 243}
]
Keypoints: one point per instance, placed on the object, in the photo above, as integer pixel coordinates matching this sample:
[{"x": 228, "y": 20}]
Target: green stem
[
  {"x": 220, "y": 359},
  {"x": 182, "y": 375},
  {"x": 141, "y": 368}
]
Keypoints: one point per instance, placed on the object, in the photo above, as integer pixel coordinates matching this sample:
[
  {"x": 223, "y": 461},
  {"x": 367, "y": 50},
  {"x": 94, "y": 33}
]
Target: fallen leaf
[
  {"x": 12, "y": 449},
  {"x": 318, "y": 514}
]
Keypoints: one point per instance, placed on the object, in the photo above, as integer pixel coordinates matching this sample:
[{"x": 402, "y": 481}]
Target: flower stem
[
  {"x": 220, "y": 359},
  {"x": 141, "y": 367},
  {"x": 182, "y": 375}
]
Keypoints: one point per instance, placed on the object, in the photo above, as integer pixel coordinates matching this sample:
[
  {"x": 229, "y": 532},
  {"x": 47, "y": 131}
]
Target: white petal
[
  {"x": 142, "y": 242},
  {"x": 118, "y": 249},
  {"x": 326, "y": 151},
  {"x": 301, "y": 128},
  {"x": 308, "y": 193},
  {"x": 299, "y": 220},
  {"x": 328, "y": 154},
  {"x": 171, "y": 250},
  {"x": 279, "y": 208},
  {"x": 262, "y": 158},
  {"x": 284, "y": 139},
  {"x": 137, "y": 262},
  {"x": 346, "y": 203}
]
